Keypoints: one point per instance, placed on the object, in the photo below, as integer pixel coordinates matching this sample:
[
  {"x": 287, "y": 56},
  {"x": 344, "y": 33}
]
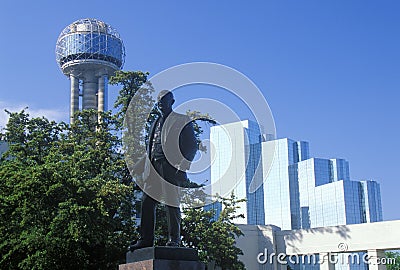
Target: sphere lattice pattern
[{"x": 90, "y": 40}]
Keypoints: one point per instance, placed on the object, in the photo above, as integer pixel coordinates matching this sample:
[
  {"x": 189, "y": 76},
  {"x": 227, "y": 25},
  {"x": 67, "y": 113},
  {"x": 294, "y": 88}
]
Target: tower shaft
[
  {"x": 74, "y": 96},
  {"x": 89, "y": 98},
  {"x": 101, "y": 94},
  {"x": 94, "y": 93}
]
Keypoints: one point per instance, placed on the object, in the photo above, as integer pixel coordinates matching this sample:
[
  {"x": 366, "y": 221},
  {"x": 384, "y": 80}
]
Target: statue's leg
[
  {"x": 147, "y": 222},
  {"x": 171, "y": 191},
  {"x": 174, "y": 226}
]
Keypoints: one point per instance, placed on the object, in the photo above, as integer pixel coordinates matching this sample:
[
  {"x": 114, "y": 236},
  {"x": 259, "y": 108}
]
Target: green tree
[
  {"x": 395, "y": 256},
  {"x": 214, "y": 238},
  {"x": 62, "y": 201},
  {"x": 135, "y": 111},
  {"x": 66, "y": 195},
  {"x": 197, "y": 118},
  {"x": 131, "y": 82}
]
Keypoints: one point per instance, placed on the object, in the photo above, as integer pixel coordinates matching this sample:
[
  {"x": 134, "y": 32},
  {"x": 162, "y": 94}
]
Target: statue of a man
[{"x": 171, "y": 148}]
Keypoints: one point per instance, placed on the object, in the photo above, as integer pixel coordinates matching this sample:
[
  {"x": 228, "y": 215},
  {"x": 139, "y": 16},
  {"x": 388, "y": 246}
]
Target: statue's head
[{"x": 165, "y": 99}]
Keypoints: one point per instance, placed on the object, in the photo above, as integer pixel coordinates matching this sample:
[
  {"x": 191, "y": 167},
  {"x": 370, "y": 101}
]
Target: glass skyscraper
[
  {"x": 236, "y": 163},
  {"x": 297, "y": 191}
]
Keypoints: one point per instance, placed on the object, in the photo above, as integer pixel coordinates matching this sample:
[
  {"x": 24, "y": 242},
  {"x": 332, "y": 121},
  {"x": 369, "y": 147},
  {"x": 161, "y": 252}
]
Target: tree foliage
[
  {"x": 131, "y": 82},
  {"x": 62, "y": 203},
  {"x": 215, "y": 239},
  {"x": 395, "y": 257},
  {"x": 66, "y": 195},
  {"x": 135, "y": 109}
]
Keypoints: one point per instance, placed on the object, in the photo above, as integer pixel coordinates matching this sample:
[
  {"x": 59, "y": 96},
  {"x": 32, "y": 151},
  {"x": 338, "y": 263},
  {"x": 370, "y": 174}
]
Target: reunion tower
[{"x": 88, "y": 51}]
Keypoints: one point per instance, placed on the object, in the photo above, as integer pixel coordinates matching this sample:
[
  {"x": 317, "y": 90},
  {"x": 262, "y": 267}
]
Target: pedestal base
[
  {"x": 163, "y": 258},
  {"x": 163, "y": 265}
]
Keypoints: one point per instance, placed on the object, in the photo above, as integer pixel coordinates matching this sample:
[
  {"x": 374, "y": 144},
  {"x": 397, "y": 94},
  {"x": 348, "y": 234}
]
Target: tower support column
[
  {"x": 89, "y": 100},
  {"x": 101, "y": 94},
  {"x": 74, "y": 96}
]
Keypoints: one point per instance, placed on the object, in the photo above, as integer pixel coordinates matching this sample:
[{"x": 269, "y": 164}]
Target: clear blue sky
[{"x": 330, "y": 70}]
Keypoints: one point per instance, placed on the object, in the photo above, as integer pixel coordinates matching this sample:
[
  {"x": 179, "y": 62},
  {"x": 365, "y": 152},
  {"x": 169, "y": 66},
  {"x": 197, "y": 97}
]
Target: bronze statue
[{"x": 170, "y": 148}]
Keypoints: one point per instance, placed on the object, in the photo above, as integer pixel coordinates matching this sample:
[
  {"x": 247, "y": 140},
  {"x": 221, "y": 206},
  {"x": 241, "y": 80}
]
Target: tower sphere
[
  {"x": 88, "y": 51},
  {"x": 89, "y": 44}
]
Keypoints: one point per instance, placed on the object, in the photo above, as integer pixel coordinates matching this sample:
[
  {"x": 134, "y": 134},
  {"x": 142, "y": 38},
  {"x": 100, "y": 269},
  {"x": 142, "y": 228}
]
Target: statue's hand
[{"x": 184, "y": 165}]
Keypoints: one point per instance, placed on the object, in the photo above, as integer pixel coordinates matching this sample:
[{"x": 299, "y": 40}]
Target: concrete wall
[
  {"x": 259, "y": 241},
  {"x": 383, "y": 235},
  {"x": 256, "y": 239}
]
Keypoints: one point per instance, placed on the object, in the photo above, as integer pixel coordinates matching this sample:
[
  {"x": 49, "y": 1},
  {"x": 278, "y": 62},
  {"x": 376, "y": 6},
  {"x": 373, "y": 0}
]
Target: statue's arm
[{"x": 188, "y": 145}]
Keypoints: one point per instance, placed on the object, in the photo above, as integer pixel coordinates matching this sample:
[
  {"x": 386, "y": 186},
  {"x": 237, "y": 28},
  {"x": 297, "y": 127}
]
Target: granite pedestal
[{"x": 163, "y": 258}]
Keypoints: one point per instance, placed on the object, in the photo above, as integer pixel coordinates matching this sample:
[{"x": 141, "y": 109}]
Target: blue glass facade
[
  {"x": 216, "y": 207},
  {"x": 297, "y": 191},
  {"x": 372, "y": 200},
  {"x": 90, "y": 39},
  {"x": 339, "y": 169},
  {"x": 328, "y": 197},
  {"x": 81, "y": 46},
  {"x": 237, "y": 166},
  {"x": 281, "y": 193}
]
